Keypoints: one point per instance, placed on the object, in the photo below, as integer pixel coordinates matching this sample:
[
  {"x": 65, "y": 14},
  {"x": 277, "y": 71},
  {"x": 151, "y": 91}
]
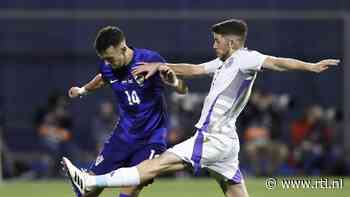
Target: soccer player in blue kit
[{"x": 141, "y": 131}]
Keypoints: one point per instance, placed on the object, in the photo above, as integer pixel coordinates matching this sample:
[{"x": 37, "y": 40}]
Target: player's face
[
  {"x": 221, "y": 46},
  {"x": 115, "y": 55}
]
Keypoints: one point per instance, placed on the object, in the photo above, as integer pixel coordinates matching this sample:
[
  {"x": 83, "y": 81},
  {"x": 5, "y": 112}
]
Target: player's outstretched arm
[
  {"x": 184, "y": 69},
  {"x": 96, "y": 83},
  {"x": 286, "y": 64},
  {"x": 150, "y": 69},
  {"x": 169, "y": 77}
]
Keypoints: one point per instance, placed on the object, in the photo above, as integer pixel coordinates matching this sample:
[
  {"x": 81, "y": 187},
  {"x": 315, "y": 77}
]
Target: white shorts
[{"x": 214, "y": 151}]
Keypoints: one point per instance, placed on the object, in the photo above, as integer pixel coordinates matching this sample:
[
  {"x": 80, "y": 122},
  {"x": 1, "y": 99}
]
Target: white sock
[{"x": 117, "y": 178}]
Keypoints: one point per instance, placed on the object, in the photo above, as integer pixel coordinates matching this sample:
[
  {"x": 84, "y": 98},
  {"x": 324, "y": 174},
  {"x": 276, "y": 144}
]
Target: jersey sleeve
[
  {"x": 252, "y": 61},
  {"x": 156, "y": 57},
  {"x": 211, "y": 66},
  {"x": 104, "y": 71}
]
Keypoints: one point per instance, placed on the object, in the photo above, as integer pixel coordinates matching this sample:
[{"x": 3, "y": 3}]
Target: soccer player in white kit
[{"x": 215, "y": 145}]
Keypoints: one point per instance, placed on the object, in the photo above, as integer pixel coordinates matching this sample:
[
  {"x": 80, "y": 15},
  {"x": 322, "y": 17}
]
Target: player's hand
[
  {"x": 168, "y": 76},
  {"x": 74, "y": 92},
  {"x": 147, "y": 69},
  {"x": 324, "y": 65}
]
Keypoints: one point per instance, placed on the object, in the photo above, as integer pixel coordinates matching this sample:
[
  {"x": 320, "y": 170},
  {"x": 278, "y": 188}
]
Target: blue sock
[{"x": 123, "y": 195}]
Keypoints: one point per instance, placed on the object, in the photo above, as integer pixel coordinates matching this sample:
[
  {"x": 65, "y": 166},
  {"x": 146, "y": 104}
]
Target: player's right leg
[{"x": 133, "y": 176}]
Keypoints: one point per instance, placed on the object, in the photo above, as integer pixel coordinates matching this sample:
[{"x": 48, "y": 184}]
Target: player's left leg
[
  {"x": 234, "y": 187},
  {"x": 231, "y": 189}
]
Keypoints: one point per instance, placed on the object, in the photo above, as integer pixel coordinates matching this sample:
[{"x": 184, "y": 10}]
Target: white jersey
[{"x": 229, "y": 91}]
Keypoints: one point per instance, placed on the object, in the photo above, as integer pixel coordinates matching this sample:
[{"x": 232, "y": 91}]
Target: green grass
[{"x": 168, "y": 188}]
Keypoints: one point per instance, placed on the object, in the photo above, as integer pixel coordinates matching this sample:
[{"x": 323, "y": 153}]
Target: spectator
[
  {"x": 337, "y": 163},
  {"x": 262, "y": 130},
  {"x": 54, "y": 125},
  {"x": 311, "y": 138},
  {"x": 184, "y": 111},
  {"x": 103, "y": 123}
]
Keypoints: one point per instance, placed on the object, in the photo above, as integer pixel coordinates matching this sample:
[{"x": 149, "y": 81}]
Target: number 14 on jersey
[{"x": 133, "y": 98}]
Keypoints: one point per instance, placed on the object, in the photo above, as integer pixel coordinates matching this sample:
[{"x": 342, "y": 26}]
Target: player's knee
[
  {"x": 154, "y": 167},
  {"x": 148, "y": 168},
  {"x": 157, "y": 165}
]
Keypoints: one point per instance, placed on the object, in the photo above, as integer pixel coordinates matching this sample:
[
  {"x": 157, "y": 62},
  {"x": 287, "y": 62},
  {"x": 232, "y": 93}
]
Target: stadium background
[{"x": 47, "y": 46}]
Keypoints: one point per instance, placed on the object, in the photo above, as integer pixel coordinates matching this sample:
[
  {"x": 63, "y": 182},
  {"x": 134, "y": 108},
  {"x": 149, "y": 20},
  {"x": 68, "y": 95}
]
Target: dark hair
[
  {"x": 231, "y": 27},
  {"x": 108, "y": 36}
]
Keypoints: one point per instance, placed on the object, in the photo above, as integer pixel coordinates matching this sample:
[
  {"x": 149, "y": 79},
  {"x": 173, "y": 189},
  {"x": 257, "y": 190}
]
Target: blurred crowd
[
  {"x": 276, "y": 141},
  {"x": 54, "y": 123},
  {"x": 277, "y": 136}
]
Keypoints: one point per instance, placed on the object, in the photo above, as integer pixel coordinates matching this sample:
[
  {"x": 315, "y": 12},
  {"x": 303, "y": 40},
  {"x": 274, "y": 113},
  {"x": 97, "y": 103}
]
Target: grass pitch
[{"x": 168, "y": 188}]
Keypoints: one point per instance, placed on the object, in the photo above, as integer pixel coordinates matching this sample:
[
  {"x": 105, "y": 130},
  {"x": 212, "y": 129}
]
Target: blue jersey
[{"x": 141, "y": 103}]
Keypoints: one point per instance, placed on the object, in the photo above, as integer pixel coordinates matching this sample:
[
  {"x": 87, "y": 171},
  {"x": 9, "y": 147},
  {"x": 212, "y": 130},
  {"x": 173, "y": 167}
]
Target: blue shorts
[{"x": 117, "y": 153}]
